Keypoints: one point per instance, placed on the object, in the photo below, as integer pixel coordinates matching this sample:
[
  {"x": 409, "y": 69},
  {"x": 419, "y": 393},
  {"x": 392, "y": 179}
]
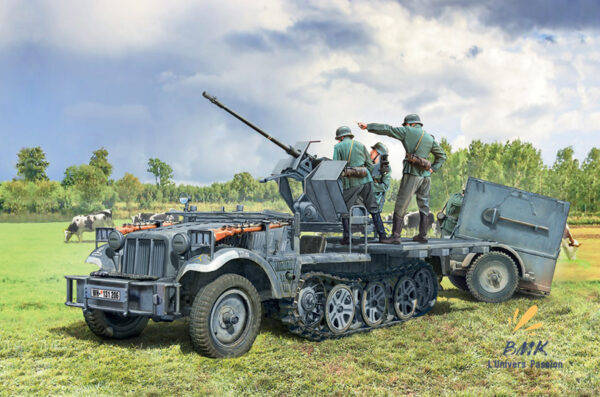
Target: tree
[
  {"x": 565, "y": 177},
  {"x": 99, "y": 160},
  {"x": 129, "y": 188},
  {"x": 522, "y": 165},
  {"x": 591, "y": 180},
  {"x": 90, "y": 182},
  {"x": 70, "y": 175},
  {"x": 162, "y": 172},
  {"x": 32, "y": 164},
  {"x": 245, "y": 185}
]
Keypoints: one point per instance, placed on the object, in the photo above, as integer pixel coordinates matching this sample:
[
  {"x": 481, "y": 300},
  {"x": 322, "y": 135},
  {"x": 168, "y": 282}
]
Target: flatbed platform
[{"x": 412, "y": 249}]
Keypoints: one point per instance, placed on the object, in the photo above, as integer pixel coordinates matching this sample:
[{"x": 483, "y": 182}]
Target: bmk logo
[{"x": 535, "y": 348}]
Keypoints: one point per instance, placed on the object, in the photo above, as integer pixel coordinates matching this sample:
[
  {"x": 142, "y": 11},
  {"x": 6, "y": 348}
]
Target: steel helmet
[
  {"x": 381, "y": 148},
  {"x": 343, "y": 131},
  {"x": 412, "y": 119}
]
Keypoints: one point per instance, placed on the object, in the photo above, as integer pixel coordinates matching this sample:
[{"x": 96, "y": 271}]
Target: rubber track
[{"x": 291, "y": 316}]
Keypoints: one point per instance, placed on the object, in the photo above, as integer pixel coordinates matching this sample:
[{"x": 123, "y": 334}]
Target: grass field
[{"x": 46, "y": 348}]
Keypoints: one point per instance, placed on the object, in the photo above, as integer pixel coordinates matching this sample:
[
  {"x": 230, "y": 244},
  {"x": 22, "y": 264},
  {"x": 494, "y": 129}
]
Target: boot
[
  {"x": 423, "y": 228},
  {"x": 379, "y": 228},
  {"x": 396, "y": 231},
  {"x": 346, "y": 233}
]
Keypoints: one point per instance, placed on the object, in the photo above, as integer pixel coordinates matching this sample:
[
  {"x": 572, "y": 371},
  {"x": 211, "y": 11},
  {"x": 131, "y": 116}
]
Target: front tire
[
  {"x": 225, "y": 317},
  {"x": 113, "y": 325},
  {"x": 493, "y": 277}
]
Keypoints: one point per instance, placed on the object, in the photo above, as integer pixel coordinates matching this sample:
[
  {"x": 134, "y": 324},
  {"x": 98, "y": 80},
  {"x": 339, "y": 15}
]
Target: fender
[
  {"x": 99, "y": 258},
  {"x": 469, "y": 258},
  {"x": 203, "y": 264}
]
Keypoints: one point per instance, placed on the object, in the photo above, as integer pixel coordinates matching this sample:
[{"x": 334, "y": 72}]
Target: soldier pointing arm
[{"x": 416, "y": 172}]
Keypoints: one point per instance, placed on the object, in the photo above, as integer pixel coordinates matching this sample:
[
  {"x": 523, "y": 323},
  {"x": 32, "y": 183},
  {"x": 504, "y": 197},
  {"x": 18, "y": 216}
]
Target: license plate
[{"x": 109, "y": 294}]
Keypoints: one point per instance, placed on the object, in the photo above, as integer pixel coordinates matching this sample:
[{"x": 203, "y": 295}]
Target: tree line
[{"x": 89, "y": 187}]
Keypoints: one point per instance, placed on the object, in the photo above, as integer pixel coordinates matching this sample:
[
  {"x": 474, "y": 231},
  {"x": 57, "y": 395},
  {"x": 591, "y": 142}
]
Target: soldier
[
  {"x": 416, "y": 173},
  {"x": 358, "y": 183},
  {"x": 448, "y": 216},
  {"x": 382, "y": 173}
]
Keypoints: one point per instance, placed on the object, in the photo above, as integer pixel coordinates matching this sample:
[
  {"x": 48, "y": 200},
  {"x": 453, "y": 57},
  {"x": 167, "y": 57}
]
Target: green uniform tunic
[
  {"x": 452, "y": 210},
  {"x": 409, "y": 136},
  {"x": 381, "y": 184},
  {"x": 414, "y": 181},
  {"x": 356, "y": 189},
  {"x": 358, "y": 158}
]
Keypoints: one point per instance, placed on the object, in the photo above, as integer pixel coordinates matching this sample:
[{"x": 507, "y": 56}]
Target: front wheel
[
  {"x": 113, "y": 325},
  {"x": 493, "y": 277},
  {"x": 225, "y": 317}
]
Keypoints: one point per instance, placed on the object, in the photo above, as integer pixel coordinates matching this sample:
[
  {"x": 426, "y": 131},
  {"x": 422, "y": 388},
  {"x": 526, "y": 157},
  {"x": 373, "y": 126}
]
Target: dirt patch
[{"x": 587, "y": 236}]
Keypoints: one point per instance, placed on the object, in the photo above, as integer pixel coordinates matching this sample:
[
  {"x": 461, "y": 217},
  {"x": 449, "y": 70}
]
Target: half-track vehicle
[{"x": 223, "y": 270}]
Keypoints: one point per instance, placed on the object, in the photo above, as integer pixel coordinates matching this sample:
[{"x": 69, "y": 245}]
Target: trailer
[{"x": 524, "y": 231}]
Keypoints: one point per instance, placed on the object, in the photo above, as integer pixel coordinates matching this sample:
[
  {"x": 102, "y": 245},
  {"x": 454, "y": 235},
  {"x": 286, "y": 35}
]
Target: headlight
[
  {"x": 180, "y": 243},
  {"x": 116, "y": 240}
]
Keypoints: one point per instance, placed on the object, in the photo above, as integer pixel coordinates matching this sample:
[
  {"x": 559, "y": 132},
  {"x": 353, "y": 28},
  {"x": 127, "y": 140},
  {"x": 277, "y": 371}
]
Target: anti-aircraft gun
[{"x": 321, "y": 203}]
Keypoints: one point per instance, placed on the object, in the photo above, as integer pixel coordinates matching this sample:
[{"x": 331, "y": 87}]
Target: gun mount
[{"x": 321, "y": 201}]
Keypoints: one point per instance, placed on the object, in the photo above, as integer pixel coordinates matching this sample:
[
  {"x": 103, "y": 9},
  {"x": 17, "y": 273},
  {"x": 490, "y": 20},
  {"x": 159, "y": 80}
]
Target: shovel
[{"x": 492, "y": 216}]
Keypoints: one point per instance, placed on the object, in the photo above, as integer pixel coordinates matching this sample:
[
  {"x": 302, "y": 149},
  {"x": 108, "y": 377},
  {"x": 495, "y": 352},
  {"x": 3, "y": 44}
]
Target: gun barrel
[{"x": 288, "y": 149}]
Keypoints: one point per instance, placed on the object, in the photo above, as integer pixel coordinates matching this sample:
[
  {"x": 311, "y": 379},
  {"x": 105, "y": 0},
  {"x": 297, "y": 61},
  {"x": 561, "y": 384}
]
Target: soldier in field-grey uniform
[
  {"x": 415, "y": 179},
  {"x": 357, "y": 187}
]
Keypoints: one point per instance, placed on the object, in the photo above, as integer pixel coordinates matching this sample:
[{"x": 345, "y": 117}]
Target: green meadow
[{"x": 47, "y": 349}]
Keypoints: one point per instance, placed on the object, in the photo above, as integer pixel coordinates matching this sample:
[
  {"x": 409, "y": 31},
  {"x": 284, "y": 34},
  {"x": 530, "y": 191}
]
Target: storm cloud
[{"x": 516, "y": 16}]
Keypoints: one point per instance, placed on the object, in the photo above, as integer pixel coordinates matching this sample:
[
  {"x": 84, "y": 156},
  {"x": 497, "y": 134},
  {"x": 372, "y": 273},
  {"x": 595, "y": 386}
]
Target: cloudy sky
[{"x": 77, "y": 75}]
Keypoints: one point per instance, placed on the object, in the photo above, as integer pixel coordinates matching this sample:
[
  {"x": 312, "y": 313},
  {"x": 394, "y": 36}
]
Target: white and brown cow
[{"x": 88, "y": 223}]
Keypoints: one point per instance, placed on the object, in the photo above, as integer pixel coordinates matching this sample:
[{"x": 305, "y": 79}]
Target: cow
[
  {"x": 88, "y": 223},
  {"x": 144, "y": 217},
  {"x": 569, "y": 245},
  {"x": 412, "y": 219}
]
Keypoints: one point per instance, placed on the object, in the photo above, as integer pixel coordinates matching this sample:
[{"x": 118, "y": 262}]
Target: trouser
[
  {"x": 409, "y": 186},
  {"x": 363, "y": 192},
  {"x": 380, "y": 199}
]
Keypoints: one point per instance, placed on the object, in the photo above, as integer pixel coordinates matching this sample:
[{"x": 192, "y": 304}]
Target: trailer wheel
[
  {"x": 459, "y": 282},
  {"x": 493, "y": 277},
  {"x": 113, "y": 325},
  {"x": 225, "y": 317}
]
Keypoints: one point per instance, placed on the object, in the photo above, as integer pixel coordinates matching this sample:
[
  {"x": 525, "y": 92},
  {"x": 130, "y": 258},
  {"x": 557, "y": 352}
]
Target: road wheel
[
  {"x": 405, "y": 298},
  {"x": 459, "y": 282},
  {"x": 340, "y": 308},
  {"x": 493, "y": 277},
  {"x": 225, "y": 317},
  {"x": 373, "y": 304},
  {"x": 426, "y": 283},
  {"x": 113, "y": 325}
]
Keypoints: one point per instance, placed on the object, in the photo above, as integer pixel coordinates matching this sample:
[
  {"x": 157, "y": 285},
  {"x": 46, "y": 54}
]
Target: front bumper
[{"x": 157, "y": 299}]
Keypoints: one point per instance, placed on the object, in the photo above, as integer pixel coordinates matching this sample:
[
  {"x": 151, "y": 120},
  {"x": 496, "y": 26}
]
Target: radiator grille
[{"x": 144, "y": 257}]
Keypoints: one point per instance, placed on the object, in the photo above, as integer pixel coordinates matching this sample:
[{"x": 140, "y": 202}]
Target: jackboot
[
  {"x": 379, "y": 228},
  {"x": 396, "y": 231},
  {"x": 346, "y": 233},
  {"x": 423, "y": 228}
]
